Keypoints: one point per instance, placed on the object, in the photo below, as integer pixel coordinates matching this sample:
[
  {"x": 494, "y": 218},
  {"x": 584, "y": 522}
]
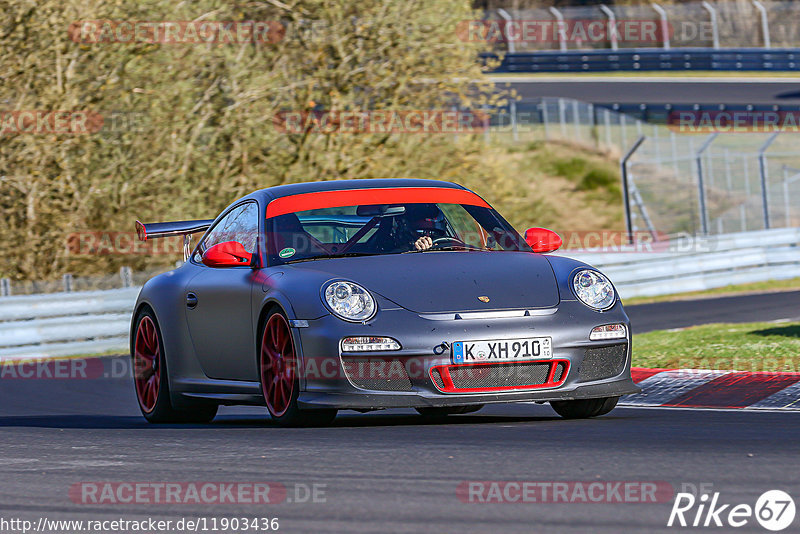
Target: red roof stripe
[{"x": 355, "y": 197}]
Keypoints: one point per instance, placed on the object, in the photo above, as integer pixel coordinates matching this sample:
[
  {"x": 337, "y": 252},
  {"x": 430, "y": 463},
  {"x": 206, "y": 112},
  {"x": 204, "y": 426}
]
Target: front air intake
[
  {"x": 603, "y": 362},
  {"x": 377, "y": 374},
  {"x": 499, "y": 376}
]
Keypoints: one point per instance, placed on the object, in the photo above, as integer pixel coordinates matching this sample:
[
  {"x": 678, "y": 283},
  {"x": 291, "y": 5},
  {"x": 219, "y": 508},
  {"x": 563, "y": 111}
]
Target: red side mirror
[
  {"x": 227, "y": 254},
  {"x": 542, "y": 239}
]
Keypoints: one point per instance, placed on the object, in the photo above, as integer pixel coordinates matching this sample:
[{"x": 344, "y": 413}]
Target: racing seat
[{"x": 288, "y": 233}]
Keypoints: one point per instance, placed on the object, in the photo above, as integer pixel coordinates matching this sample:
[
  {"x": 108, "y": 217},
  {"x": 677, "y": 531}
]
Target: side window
[{"x": 240, "y": 224}]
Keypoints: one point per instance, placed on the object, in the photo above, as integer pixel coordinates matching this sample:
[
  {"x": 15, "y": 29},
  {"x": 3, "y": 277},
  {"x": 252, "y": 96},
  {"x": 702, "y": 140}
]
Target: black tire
[
  {"x": 608, "y": 405},
  {"x": 287, "y": 414},
  {"x": 440, "y": 411},
  {"x": 162, "y": 411},
  {"x": 581, "y": 409}
]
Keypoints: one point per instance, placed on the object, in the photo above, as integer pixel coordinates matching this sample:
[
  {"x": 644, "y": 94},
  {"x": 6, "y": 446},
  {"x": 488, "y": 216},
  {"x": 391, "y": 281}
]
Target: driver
[{"x": 419, "y": 226}]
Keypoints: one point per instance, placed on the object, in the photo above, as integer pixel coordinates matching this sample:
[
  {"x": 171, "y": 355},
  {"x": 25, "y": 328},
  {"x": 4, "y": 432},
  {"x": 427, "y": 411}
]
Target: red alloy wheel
[
  {"x": 147, "y": 364},
  {"x": 277, "y": 365}
]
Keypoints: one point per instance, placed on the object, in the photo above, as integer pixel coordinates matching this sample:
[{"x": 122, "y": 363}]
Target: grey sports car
[{"x": 369, "y": 294}]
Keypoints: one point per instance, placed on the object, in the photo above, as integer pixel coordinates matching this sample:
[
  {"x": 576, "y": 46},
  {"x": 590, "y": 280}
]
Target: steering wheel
[{"x": 440, "y": 240}]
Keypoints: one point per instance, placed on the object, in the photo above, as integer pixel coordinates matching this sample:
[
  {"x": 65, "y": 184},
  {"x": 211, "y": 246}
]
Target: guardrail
[
  {"x": 699, "y": 263},
  {"x": 648, "y": 59},
  {"x": 91, "y": 322},
  {"x": 62, "y": 324}
]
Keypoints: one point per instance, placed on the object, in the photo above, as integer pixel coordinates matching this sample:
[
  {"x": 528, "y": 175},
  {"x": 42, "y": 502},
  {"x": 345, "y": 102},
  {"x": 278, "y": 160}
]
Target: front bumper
[
  {"x": 364, "y": 400},
  {"x": 425, "y": 344}
]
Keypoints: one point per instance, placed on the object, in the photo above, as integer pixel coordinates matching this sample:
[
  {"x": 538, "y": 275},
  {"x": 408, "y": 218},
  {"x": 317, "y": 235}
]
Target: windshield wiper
[
  {"x": 346, "y": 254},
  {"x": 313, "y": 258},
  {"x": 350, "y": 254}
]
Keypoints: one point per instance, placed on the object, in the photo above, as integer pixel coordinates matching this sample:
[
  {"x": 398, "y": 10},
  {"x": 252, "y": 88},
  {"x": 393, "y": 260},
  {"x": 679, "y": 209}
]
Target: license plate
[{"x": 503, "y": 350}]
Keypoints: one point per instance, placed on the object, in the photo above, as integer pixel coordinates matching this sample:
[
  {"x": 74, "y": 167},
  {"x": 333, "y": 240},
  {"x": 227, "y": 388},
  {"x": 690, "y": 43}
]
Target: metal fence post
[
  {"x": 764, "y": 23},
  {"x": 763, "y": 172},
  {"x": 126, "y": 274},
  {"x": 562, "y": 117},
  {"x": 67, "y": 282},
  {"x": 710, "y": 167},
  {"x": 612, "y": 23},
  {"x": 5, "y": 287},
  {"x": 662, "y": 14},
  {"x": 545, "y": 120},
  {"x": 562, "y": 37},
  {"x": 786, "y": 194},
  {"x": 712, "y": 13},
  {"x": 623, "y": 129},
  {"x": 701, "y": 190},
  {"x": 692, "y": 170},
  {"x": 576, "y": 119},
  {"x": 607, "y": 122},
  {"x": 514, "y": 130},
  {"x": 503, "y": 13},
  {"x": 626, "y": 200}
]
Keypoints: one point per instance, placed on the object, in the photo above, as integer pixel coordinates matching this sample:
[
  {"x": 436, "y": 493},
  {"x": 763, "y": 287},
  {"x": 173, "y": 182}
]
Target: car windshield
[{"x": 376, "y": 229}]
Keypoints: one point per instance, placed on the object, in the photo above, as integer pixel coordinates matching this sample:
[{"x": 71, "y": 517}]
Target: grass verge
[{"x": 771, "y": 347}]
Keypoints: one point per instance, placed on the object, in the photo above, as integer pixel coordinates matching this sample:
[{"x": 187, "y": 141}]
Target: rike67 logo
[{"x": 774, "y": 510}]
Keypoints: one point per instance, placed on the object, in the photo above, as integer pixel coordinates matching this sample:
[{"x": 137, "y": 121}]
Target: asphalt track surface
[
  {"x": 638, "y": 90},
  {"x": 382, "y": 472},
  {"x": 387, "y": 471},
  {"x": 778, "y": 306}
]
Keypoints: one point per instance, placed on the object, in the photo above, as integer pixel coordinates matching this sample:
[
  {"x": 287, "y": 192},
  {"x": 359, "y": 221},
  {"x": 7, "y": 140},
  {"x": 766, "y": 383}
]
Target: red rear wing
[{"x": 355, "y": 197}]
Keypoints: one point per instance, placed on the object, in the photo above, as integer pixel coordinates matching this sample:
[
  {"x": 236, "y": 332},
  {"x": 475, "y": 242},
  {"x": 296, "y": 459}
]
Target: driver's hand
[{"x": 423, "y": 243}]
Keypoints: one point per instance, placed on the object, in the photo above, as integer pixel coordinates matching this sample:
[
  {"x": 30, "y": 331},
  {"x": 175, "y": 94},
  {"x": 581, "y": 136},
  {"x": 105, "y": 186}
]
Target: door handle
[{"x": 191, "y": 300}]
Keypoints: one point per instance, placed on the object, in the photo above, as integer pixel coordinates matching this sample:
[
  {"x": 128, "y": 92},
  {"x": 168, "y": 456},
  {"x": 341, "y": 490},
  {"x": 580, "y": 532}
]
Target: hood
[{"x": 434, "y": 282}]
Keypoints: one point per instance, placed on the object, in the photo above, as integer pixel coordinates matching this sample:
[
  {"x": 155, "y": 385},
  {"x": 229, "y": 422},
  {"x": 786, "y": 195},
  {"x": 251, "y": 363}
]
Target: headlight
[
  {"x": 350, "y": 301},
  {"x": 593, "y": 289}
]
